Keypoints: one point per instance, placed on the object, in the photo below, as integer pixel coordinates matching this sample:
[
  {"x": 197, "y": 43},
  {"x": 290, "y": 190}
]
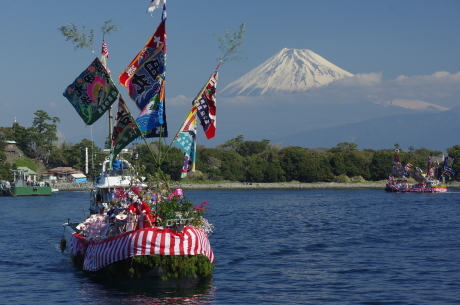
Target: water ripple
[{"x": 272, "y": 246}]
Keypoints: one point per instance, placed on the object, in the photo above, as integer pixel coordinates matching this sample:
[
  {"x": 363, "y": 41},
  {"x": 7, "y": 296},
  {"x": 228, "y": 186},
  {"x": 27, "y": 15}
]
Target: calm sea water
[{"x": 272, "y": 246}]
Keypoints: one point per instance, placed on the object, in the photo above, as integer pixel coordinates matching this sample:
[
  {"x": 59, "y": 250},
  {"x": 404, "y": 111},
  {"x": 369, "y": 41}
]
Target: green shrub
[{"x": 342, "y": 179}]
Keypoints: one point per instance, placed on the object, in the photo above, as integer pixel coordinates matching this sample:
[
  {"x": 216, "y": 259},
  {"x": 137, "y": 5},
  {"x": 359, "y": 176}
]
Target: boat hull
[
  {"x": 96, "y": 255},
  {"x": 17, "y": 191},
  {"x": 115, "y": 242},
  {"x": 412, "y": 189}
]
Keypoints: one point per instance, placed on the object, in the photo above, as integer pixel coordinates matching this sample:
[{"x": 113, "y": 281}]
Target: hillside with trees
[{"x": 234, "y": 160}]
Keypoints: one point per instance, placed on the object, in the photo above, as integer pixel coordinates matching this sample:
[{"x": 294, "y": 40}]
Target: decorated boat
[
  {"x": 141, "y": 232},
  {"x": 22, "y": 187},
  {"x": 427, "y": 181},
  {"x": 140, "y": 226},
  {"x": 402, "y": 186}
]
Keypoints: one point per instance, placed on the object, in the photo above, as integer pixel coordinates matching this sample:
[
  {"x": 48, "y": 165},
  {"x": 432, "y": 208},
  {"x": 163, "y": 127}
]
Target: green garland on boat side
[
  {"x": 174, "y": 266},
  {"x": 169, "y": 208},
  {"x": 78, "y": 260}
]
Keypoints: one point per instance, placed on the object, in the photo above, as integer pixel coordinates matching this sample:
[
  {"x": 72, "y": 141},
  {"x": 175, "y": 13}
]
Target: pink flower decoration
[
  {"x": 120, "y": 192},
  {"x": 179, "y": 193},
  {"x": 201, "y": 207},
  {"x": 136, "y": 190}
]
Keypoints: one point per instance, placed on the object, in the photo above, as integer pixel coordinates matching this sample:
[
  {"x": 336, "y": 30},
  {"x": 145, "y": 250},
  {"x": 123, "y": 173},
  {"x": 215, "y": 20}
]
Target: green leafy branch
[
  {"x": 80, "y": 38},
  {"x": 107, "y": 28},
  {"x": 230, "y": 43}
]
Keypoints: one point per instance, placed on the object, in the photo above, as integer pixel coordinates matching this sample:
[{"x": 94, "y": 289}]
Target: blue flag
[{"x": 186, "y": 140}]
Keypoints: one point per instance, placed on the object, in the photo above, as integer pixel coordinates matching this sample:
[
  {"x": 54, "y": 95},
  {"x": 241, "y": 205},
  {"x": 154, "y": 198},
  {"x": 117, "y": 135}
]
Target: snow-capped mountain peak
[{"x": 291, "y": 70}]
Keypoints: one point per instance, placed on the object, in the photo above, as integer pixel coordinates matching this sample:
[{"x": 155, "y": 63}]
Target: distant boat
[
  {"x": 427, "y": 182},
  {"x": 54, "y": 190},
  {"x": 20, "y": 187},
  {"x": 402, "y": 186}
]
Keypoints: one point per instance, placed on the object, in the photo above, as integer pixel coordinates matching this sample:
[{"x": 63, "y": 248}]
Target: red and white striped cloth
[
  {"x": 148, "y": 241},
  {"x": 105, "y": 50}
]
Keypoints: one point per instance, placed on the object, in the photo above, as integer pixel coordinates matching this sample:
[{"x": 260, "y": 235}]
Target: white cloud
[
  {"x": 361, "y": 80},
  {"x": 437, "y": 78},
  {"x": 440, "y": 85},
  {"x": 440, "y": 88},
  {"x": 179, "y": 100},
  {"x": 246, "y": 100}
]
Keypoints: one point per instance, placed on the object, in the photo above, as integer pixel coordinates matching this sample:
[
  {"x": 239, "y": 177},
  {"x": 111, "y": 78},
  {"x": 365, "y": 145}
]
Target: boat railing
[{"x": 119, "y": 172}]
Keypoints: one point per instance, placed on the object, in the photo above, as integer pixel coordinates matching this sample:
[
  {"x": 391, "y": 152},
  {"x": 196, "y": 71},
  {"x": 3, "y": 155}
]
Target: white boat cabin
[{"x": 109, "y": 180}]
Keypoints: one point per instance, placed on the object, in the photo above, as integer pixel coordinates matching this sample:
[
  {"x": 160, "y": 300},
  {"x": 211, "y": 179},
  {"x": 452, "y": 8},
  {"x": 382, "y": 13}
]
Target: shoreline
[
  {"x": 259, "y": 186},
  {"x": 69, "y": 187},
  {"x": 287, "y": 185}
]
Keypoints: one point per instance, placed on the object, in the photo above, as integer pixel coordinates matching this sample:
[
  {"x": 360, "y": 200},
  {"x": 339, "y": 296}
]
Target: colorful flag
[
  {"x": 408, "y": 167},
  {"x": 144, "y": 74},
  {"x": 186, "y": 140},
  {"x": 155, "y": 4},
  {"x": 144, "y": 77},
  {"x": 92, "y": 93},
  {"x": 206, "y": 106},
  {"x": 446, "y": 169},
  {"x": 152, "y": 117},
  {"x": 125, "y": 129},
  {"x": 160, "y": 131},
  {"x": 144, "y": 83}
]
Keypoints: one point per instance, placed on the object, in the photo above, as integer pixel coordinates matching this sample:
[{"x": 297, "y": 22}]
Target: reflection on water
[{"x": 146, "y": 291}]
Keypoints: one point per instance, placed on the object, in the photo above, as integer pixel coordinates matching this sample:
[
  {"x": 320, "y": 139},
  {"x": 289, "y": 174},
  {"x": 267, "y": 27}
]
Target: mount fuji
[
  {"x": 298, "y": 98},
  {"x": 290, "y": 70}
]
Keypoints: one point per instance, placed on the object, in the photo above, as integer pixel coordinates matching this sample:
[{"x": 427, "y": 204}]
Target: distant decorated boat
[
  {"x": 402, "y": 186},
  {"x": 140, "y": 226},
  {"x": 427, "y": 181}
]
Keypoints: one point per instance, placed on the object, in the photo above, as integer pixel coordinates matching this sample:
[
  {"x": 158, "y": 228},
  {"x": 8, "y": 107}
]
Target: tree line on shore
[{"x": 235, "y": 160}]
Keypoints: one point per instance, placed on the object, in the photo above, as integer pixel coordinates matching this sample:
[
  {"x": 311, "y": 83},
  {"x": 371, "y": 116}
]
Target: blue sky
[{"x": 414, "y": 38}]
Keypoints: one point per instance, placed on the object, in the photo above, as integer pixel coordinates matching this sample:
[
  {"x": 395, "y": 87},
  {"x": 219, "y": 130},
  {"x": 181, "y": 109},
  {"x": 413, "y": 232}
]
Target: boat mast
[
  {"x": 110, "y": 127},
  {"x": 104, "y": 56},
  {"x": 428, "y": 167}
]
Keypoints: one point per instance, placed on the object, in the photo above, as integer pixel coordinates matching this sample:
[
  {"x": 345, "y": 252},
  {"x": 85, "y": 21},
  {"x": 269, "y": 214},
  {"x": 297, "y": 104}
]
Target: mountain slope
[
  {"x": 428, "y": 130},
  {"x": 291, "y": 70},
  {"x": 413, "y": 104},
  {"x": 348, "y": 110}
]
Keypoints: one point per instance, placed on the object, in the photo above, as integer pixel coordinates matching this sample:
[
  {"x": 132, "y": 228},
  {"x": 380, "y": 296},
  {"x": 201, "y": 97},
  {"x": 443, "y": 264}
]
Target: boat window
[
  {"x": 113, "y": 172},
  {"x": 126, "y": 172}
]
